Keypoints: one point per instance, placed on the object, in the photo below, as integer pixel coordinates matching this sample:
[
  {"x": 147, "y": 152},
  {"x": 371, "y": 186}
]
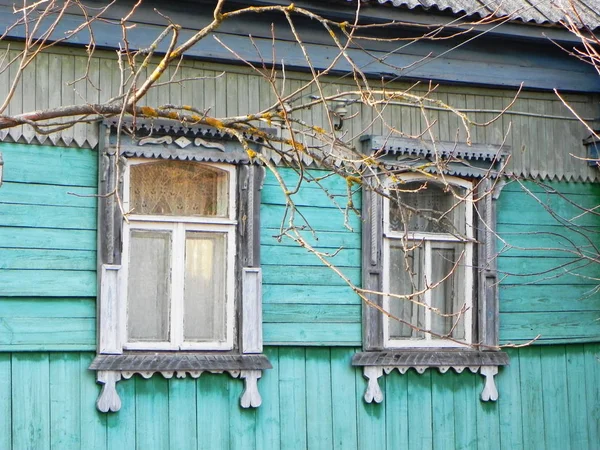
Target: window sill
[
  {"x": 112, "y": 368},
  {"x": 375, "y": 364}
]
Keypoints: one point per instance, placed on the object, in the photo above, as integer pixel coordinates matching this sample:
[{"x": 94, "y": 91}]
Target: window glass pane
[
  {"x": 427, "y": 207},
  {"x": 406, "y": 276},
  {"x": 205, "y": 296},
  {"x": 178, "y": 188},
  {"x": 149, "y": 286},
  {"x": 449, "y": 295}
]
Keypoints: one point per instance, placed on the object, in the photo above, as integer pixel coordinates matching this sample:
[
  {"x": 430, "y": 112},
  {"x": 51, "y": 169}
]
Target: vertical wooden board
[
  {"x": 120, "y": 427},
  {"x": 152, "y": 412},
  {"x": 30, "y": 401},
  {"x": 532, "y": 398},
  {"x": 220, "y": 97},
  {"x": 442, "y": 408},
  {"x": 509, "y": 390},
  {"x": 554, "y": 387},
  {"x": 396, "y": 410},
  {"x": 466, "y": 403},
  {"x": 5, "y": 399},
  {"x": 343, "y": 399},
  {"x": 213, "y": 411},
  {"x": 16, "y": 102},
  {"x": 68, "y": 92},
  {"x": 292, "y": 398},
  {"x": 267, "y": 416},
  {"x": 242, "y": 421},
  {"x": 576, "y": 388},
  {"x": 371, "y": 416},
  {"x": 65, "y": 420},
  {"x": 488, "y": 425},
  {"x": 319, "y": 426},
  {"x": 420, "y": 417},
  {"x": 182, "y": 413},
  {"x": 592, "y": 383},
  {"x": 93, "y": 422}
]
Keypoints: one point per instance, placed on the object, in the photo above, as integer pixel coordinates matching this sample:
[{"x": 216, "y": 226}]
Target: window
[
  {"x": 179, "y": 275},
  {"x": 428, "y": 255},
  {"x": 429, "y": 261},
  {"x": 179, "y": 253}
]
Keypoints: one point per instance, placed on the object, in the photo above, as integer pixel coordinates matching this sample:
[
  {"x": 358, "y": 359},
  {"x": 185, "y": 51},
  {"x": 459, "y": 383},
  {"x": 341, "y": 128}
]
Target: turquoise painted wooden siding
[
  {"x": 312, "y": 399},
  {"x": 549, "y": 272},
  {"x": 47, "y": 248},
  {"x": 304, "y": 301}
]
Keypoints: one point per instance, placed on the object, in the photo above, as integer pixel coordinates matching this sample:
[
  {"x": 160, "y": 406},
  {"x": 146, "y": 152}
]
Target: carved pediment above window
[{"x": 167, "y": 139}]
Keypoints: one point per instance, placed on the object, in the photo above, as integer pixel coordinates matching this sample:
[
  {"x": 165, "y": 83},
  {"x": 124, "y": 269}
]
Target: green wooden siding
[
  {"x": 47, "y": 248},
  {"x": 549, "y": 399},
  {"x": 548, "y": 277},
  {"x": 305, "y": 302}
]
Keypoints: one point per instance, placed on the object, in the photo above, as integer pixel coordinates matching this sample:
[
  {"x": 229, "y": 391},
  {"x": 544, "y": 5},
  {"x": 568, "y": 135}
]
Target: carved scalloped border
[
  {"x": 109, "y": 400},
  {"x": 373, "y": 392}
]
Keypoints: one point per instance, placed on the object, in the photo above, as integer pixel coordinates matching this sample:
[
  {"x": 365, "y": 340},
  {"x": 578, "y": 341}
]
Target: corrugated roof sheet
[{"x": 532, "y": 11}]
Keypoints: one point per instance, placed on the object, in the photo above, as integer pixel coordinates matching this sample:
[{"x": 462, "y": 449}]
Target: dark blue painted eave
[{"x": 488, "y": 63}]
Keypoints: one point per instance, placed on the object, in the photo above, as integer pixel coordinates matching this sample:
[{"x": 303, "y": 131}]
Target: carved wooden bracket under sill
[
  {"x": 373, "y": 373},
  {"x": 109, "y": 400},
  {"x": 376, "y": 364}
]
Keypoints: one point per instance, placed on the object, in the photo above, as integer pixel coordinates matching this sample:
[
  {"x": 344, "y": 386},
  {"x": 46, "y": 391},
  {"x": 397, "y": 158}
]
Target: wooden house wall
[
  {"x": 48, "y": 258},
  {"x": 541, "y": 139},
  {"x": 312, "y": 399}
]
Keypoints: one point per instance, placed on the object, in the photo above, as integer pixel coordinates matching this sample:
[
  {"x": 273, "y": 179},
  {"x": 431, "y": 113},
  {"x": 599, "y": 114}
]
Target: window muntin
[
  {"x": 184, "y": 261},
  {"x": 428, "y": 251}
]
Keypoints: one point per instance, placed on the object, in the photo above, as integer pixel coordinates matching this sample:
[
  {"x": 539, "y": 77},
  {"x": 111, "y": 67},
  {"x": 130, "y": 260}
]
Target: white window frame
[
  {"x": 390, "y": 236},
  {"x": 178, "y": 225}
]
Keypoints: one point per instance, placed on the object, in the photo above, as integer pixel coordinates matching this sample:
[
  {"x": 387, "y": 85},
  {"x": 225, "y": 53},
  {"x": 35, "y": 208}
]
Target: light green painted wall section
[
  {"x": 304, "y": 301},
  {"x": 548, "y": 266},
  {"x": 312, "y": 399},
  {"x": 47, "y": 248}
]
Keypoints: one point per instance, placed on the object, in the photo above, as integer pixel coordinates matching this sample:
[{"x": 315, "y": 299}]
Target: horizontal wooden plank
[
  {"x": 326, "y": 295},
  {"x": 49, "y": 165},
  {"x": 307, "y": 313},
  {"x": 320, "y": 219},
  {"x": 545, "y": 298},
  {"x": 276, "y": 254},
  {"x": 319, "y": 240},
  {"x": 518, "y": 208},
  {"x": 592, "y": 189},
  {"x": 47, "y": 217},
  {"x": 47, "y": 238},
  {"x": 322, "y": 198},
  {"x": 528, "y": 270},
  {"x": 47, "y": 307},
  {"x": 311, "y": 179},
  {"x": 547, "y": 240},
  {"x": 308, "y": 275},
  {"x": 59, "y": 347},
  {"x": 320, "y": 334},
  {"x": 51, "y": 283},
  {"x": 20, "y": 258},
  {"x": 47, "y": 331},
  {"x": 50, "y": 195},
  {"x": 550, "y": 325}
]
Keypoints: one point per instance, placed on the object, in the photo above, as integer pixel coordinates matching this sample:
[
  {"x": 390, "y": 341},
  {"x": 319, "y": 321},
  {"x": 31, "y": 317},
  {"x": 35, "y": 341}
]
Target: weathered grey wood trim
[
  {"x": 487, "y": 280},
  {"x": 376, "y": 364},
  {"x": 179, "y": 361},
  {"x": 372, "y": 270},
  {"x": 251, "y": 310},
  {"x": 430, "y": 358},
  {"x": 109, "y": 321}
]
